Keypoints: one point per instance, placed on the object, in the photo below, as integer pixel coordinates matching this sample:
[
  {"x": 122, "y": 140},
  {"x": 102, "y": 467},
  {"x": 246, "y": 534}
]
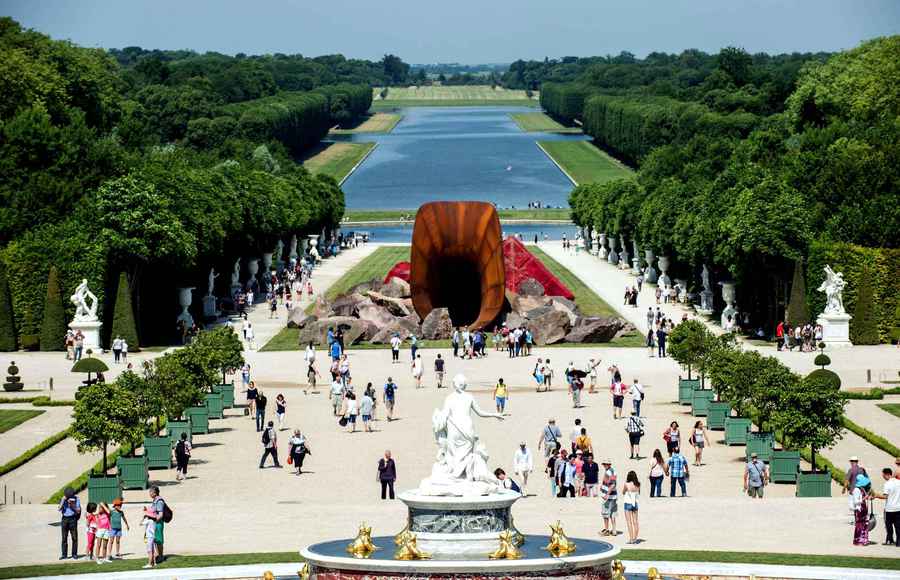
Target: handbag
[
  {"x": 872, "y": 521},
  {"x": 342, "y": 421},
  {"x": 290, "y": 460}
]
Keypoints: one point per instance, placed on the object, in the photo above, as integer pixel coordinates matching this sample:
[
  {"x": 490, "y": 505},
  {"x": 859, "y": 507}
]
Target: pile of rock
[{"x": 374, "y": 311}]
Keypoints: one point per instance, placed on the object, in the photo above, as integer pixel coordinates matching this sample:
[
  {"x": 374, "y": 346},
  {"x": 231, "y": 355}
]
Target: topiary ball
[
  {"x": 828, "y": 376},
  {"x": 822, "y": 360}
]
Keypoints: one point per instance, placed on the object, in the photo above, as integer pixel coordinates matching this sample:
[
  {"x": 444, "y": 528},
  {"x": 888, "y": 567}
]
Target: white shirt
[
  {"x": 417, "y": 368},
  {"x": 856, "y": 498},
  {"x": 635, "y": 391},
  {"x": 395, "y": 343},
  {"x": 310, "y": 355},
  {"x": 575, "y": 433},
  {"x": 522, "y": 461},
  {"x": 124, "y": 346},
  {"x": 337, "y": 388},
  {"x": 892, "y": 491},
  {"x": 352, "y": 407}
]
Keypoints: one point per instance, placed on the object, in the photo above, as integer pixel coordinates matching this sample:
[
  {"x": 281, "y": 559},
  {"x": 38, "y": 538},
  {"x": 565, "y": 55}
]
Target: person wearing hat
[
  {"x": 550, "y": 437},
  {"x": 523, "y": 465},
  {"x": 390, "y": 397},
  {"x": 609, "y": 495},
  {"x": 854, "y": 471},
  {"x": 756, "y": 476},
  {"x": 859, "y": 499},
  {"x": 116, "y": 519},
  {"x": 70, "y": 511}
]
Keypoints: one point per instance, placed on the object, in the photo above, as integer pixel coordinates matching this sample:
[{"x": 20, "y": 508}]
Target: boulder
[
  {"x": 437, "y": 325},
  {"x": 354, "y": 329},
  {"x": 346, "y": 304},
  {"x": 527, "y": 303},
  {"x": 530, "y": 287},
  {"x": 396, "y": 288},
  {"x": 595, "y": 329},
  {"x": 512, "y": 298},
  {"x": 539, "y": 311},
  {"x": 383, "y": 336},
  {"x": 411, "y": 323},
  {"x": 567, "y": 306},
  {"x": 396, "y": 306},
  {"x": 550, "y": 327},
  {"x": 514, "y": 320},
  {"x": 378, "y": 315},
  {"x": 299, "y": 319},
  {"x": 363, "y": 287}
]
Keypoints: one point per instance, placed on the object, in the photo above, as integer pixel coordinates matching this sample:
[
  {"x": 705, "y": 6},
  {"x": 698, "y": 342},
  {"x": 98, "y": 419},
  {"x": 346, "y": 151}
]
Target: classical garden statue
[
  {"x": 834, "y": 319},
  {"x": 833, "y": 287},
  {"x": 84, "y": 311}
]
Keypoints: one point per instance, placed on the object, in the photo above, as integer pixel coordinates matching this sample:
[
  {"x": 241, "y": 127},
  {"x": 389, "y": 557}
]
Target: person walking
[
  {"x": 413, "y": 346},
  {"x": 617, "y": 389},
  {"x": 439, "y": 371},
  {"x": 677, "y": 470},
  {"x": 454, "y": 342},
  {"x": 158, "y": 507},
  {"x": 583, "y": 442},
  {"x": 591, "y": 472},
  {"x": 550, "y": 469},
  {"x": 573, "y": 435},
  {"x": 891, "y": 496},
  {"x": 854, "y": 471},
  {"x": 592, "y": 373},
  {"x": 116, "y": 519},
  {"x": 657, "y": 473},
  {"x": 501, "y": 392},
  {"x": 366, "y": 409},
  {"x": 70, "y": 511},
  {"x": 270, "y": 445},
  {"x": 860, "y": 498},
  {"x": 395, "y": 348},
  {"x": 299, "y": 449},
  {"x": 351, "y": 411},
  {"x": 672, "y": 437},
  {"x": 756, "y": 477},
  {"x": 117, "y": 349},
  {"x": 651, "y": 342},
  {"x": 182, "y": 457},
  {"x": 337, "y": 396},
  {"x": 523, "y": 465},
  {"x": 636, "y": 394},
  {"x": 418, "y": 368},
  {"x": 699, "y": 440},
  {"x": 261, "y": 402},
  {"x": 312, "y": 373},
  {"x": 661, "y": 341},
  {"x": 548, "y": 375},
  {"x": 390, "y": 397},
  {"x": 630, "y": 493},
  {"x": 550, "y": 437},
  {"x": 387, "y": 474},
  {"x": 280, "y": 409},
  {"x": 635, "y": 430},
  {"x": 609, "y": 495},
  {"x": 566, "y": 472}
]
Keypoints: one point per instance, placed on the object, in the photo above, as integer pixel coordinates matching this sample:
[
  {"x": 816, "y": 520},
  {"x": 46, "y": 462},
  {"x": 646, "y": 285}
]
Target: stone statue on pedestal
[
  {"x": 292, "y": 249},
  {"x": 834, "y": 319},
  {"x": 211, "y": 281},
  {"x": 706, "y": 295},
  {"x": 833, "y": 287},
  {"x": 85, "y": 303}
]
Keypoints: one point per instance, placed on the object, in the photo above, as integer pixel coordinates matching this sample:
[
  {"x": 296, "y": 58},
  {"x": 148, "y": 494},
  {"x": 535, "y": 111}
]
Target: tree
[
  {"x": 797, "y": 312},
  {"x": 225, "y": 348},
  {"x": 810, "y": 414},
  {"x": 864, "y": 327},
  {"x": 7, "y": 321},
  {"x": 736, "y": 63},
  {"x": 731, "y": 372},
  {"x": 123, "y": 316},
  {"x": 183, "y": 377},
  {"x": 53, "y": 324},
  {"x": 104, "y": 414},
  {"x": 770, "y": 379},
  {"x": 148, "y": 398},
  {"x": 395, "y": 70},
  {"x": 688, "y": 343}
]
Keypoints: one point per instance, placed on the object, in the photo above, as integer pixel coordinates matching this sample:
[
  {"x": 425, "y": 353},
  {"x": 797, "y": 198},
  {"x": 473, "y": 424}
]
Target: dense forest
[{"x": 158, "y": 164}]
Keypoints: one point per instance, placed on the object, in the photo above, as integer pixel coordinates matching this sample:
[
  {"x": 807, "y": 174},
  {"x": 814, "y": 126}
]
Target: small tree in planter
[
  {"x": 770, "y": 379},
  {"x": 225, "y": 349},
  {"x": 105, "y": 414},
  {"x": 151, "y": 406},
  {"x": 688, "y": 343},
  {"x": 183, "y": 378}
]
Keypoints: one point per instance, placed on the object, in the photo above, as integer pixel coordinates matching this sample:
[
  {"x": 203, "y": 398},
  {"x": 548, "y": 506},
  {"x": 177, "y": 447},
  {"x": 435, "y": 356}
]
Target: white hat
[{"x": 854, "y": 458}]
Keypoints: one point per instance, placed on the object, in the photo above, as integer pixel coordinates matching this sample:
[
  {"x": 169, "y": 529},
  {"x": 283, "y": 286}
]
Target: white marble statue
[
  {"x": 833, "y": 287},
  {"x": 292, "y": 248},
  {"x": 85, "y": 303},
  {"x": 211, "y": 281},
  {"x": 461, "y": 468},
  {"x": 279, "y": 251},
  {"x": 704, "y": 277},
  {"x": 236, "y": 273}
]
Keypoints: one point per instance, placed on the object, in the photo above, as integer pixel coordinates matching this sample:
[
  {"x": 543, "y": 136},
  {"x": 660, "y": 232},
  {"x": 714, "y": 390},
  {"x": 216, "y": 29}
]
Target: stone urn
[
  {"x": 267, "y": 267},
  {"x": 185, "y": 297},
  {"x": 595, "y": 245},
  {"x": 253, "y": 270},
  {"x": 635, "y": 258},
  {"x": 603, "y": 251},
  {"x": 663, "y": 268},
  {"x": 612, "y": 257},
  {"x": 728, "y": 296},
  {"x": 313, "y": 249}
]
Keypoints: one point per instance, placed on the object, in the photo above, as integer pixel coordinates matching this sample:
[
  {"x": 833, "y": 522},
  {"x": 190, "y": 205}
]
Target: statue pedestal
[
  {"x": 209, "y": 307},
  {"x": 91, "y": 331},
  {"x": 835, "y": 329},
  {"x": 706, "y": 303}
]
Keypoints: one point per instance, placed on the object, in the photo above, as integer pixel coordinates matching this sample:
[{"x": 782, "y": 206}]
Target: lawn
[
  {"x": 584, "y": 162},
  {"x": 338, "y": 159},
  {"x": 451, "y": 93},
  {"x": 587, "y": 300},
  {"x": 375, "y": 215},
  {"x": 530, "y": 122},
  {"x": 375, "y": 123},
  {"x": 377, "y": 265},
  {"x": 14, "y": 418},
  {"x": 892, "y": 408}
]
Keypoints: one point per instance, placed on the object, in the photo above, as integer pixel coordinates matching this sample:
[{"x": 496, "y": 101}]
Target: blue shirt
[
  {"x": 677, "y": 465},
  {"x": 67, "y": 509},
  {"x": 335, "y": 350}
]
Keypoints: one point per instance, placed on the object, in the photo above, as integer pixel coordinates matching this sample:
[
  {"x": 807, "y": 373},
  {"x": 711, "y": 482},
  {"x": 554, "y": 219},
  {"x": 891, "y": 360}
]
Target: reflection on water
[
  {"x": 403, "y": 233},
  {"x": 450, "y": 153}
]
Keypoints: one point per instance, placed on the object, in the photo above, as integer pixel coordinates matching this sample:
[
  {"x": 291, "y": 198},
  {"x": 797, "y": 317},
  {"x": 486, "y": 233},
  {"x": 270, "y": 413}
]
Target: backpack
[
  {"x": 180, "y": 449},
  {"x": 266, "y": 437},
  {"x": 261, "y": 402},
  {"x": 167, "y": 512},
  {"x": 389, "y": 390}
]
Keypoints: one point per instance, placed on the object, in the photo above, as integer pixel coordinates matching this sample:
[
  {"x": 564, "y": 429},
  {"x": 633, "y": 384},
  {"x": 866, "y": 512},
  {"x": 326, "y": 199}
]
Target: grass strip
[
  {"x": 584, "y": 162},
  {"x": 391, "y": 104},
  {"x": 892, "y": 408},
  {"x": 10, "y": 419},
  {"x": 47, "y": 402},
  {"x": 873, "y": 438},
  {"x": 540, "y": 122},
  {"x": 201, "y": 561},
  {"x": 337, "y": 159},
  {"x": 587, "y": 300},
  {"x": 13, "y": 400},
  {"x": 33, "y": 452},
  {"x": 373, "y": 215},
  {"x": 376, "y": 123}
]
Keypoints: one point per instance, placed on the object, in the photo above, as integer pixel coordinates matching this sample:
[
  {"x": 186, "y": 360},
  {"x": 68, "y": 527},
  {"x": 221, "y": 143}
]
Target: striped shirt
[
  {"x": 677, "y": 465},
  {"x": 608, "y": 487}
]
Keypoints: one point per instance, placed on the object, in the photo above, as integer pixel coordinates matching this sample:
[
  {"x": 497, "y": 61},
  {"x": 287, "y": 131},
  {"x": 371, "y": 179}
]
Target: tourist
[
  {"x": 672, "y": 437},
  {"x": 853, "y": 472},
  {"x": 640, "y": 282},
  {"x": 335, "y": 350},
  {"x": 299, "y": 448},
  {"x": 550, "y": 468},
  {"x": 270, "y": 445},
  {"x": 501, "y": 393},
  {"x": 351, "y": 410},
  {"x": 618, "y": 397},
  {"x": 756, "y": 477},
  {"x": 497, "y": 338},
  {"x": 344, "y": 369},
  {"x": 417, "y": 369},
  {"x": 538, "y": 374},
  {"x": 579, "y": 473},
  {"x": 860, "y": 501},
  {"x": 116, "y": 519},
  {"x": 439, "y": 371},
  {"x": 395, "y": 348},
  {"x": 311, "y": 374},
  {"x": 511, "y": 343},
  {"x": 252, "y": 395},
  {"x": 366, "y": 407},
  {"x": 413, "y": 346},
  {"x": 635, "y": 430},
  {"x": 90, "y": 524},
  {"x": 779, "y": 335},
  {"x": 677, "y": 470},
  {"x": 573, "y": 435},
  {"x": 149, "y": 523},
  {"x": 250, "y": 336},
  {"x": 261, "y": 401},
  {"x": 390, "y": 397},
  {"x": 657, "y": 473},
  {"x": 661, "y": 341},
  {"x": 506, "y": 482},
  {"x": 699, "y": 440},
  {"x": 370, "y": 392},
  {"x": 583, "y": 442},
  {"x": 576, "y": 385},
  {"x": 891, "y": 496},
  {"x": 659, "y": 293},
  {"x": 159, "y": 507},
  {"x": 117, "y": 348},
  {"x": 79, "y": 345},
  {"x": 609, "y": 495},
  {"x": 280, "y": 408},
  {"x": 630, "y": 492},
  {"x": 454, "y": 342},
  {"x": 69, "y": 510},
  {"x": 636, "y": 394},
  {"x": 651, "y": 341},
  {"x": 182, "y": 457},
  {"x": 523, "y": 465},
  {"x": 565, "y": 471},
  {"x": 592, "y": 371},
  {"x": 387, "y": 474},
  {"x": 337, "y": 396},
  {"x": 548, "y": 375},
  {"x": 549, "y": 439},
  {"x": 591, "y": 472},
  {"x": 273, "y": 306}
]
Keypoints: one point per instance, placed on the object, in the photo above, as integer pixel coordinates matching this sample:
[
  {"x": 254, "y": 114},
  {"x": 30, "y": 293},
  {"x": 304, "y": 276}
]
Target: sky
[{"x": 464, "y": 31}]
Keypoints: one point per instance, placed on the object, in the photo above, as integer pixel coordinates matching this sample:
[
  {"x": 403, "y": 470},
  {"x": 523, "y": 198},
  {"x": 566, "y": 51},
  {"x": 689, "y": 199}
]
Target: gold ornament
[
  {"x": 267, "y": 575},
  {"x": 507, "y": 549},
  {"x": 362, "y": 546},
  {"x": 401, "y": 537},
  {"x": 653, "y": 574},
  {"x": 559, "y": 545},
  {"x": 409, "y": 549},
  {"x": 518, "y": 538},
  {"x": 618, "y": 570},
  {"x": 303, "y": 573}
]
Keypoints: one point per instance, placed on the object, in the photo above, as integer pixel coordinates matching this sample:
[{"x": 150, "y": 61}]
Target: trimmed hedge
[
  {"x": 797, "y": 311},
  {"x": 7, "y": 321},
  {"x": 123, "y": 316},
  {"x": 297, "y": 120},
  {"x": 33, "y": 452},
  {"x": 864, "y": 327},
  {"x": 873, "y": 438},
  {"x": 53, "y": 322},
  {"x": 564, "y": 101}
]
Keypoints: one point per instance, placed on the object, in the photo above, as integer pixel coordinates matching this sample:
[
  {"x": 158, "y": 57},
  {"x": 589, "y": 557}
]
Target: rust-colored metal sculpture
[{"x": 457, "y": 262}]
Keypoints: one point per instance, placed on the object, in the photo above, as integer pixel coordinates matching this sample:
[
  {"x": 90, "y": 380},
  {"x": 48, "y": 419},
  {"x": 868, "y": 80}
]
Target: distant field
[
  {"x": 584, "y": 162},
  {"x": 375, "y": 215},
  {"x": 337, "y": 159},
  {"x": 441, "y": 93},
  {"x": 376, "y": 123},
  {"x": 531, "y": 122}
]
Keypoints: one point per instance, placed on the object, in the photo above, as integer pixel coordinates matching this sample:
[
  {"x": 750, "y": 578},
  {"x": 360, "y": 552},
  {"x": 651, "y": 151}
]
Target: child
[
  {"x": 103, "y": 533},
  {"x": 149, "y": 523},
  {"x": 90, "y": 522},
  {"x": 116, "y": 519}
]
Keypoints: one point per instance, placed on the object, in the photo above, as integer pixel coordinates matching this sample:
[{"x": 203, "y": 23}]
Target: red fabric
[
  {"x": 400, "y": 270},
  {"x": 519, "y": 264}
]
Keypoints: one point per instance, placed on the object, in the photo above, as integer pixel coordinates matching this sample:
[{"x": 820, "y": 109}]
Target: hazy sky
[{"x": 468, "y": 31}]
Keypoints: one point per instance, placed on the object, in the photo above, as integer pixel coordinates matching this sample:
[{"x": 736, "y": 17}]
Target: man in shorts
[
  {"x": 366, "y": 407},
  {"x": 609, "y": 495},
  {"x": 390, "y": 395},
  {"x": 439, "y": 371},
  {"x": 158, "y": 505},
  {"x": 337, "y": 396},
  {"x": 618, "y": 395},
  {"x": 756, "y": 476}
]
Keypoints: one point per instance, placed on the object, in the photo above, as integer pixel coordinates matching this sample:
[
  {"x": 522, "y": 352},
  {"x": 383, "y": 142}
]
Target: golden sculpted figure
[
  {"x": 303, "y": 573},
  {"x": 653, "y": 574},
  {"x": 362, "y": 546},
  {"x": 560, "y": 544},
  {"x": 618, "y": 570},
  {"x": 409, "y": 549},
  {"x": 507, "y": 549}
]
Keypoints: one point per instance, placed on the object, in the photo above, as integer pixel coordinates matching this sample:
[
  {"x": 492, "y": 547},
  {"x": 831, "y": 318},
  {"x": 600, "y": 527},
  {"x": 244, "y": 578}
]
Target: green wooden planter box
[
  {"x": 176, "y": 428},
  {"x": 227, "y": 392},
  {"x": 763, "y": 444},
  {"x": 104, "y": 488},
  {"x": 716, "y": 414},
  {"x": 816, "y": 484},
  {"x": 158, "y": 451},
  {"x": 736, "y": 430},
  {"x": 700, "y": 402},
  {"x": 686, "y": 390},
  {"x": 133, "y": 473},
  {"x": 785, "y": 466},
  {"x": 214, "y": 405},
  {"x": 199, "y": 417}
]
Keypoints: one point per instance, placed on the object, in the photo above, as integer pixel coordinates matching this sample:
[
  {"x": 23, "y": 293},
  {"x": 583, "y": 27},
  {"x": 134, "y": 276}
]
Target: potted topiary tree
[
  {"x": 13, "y": 380},
  {"x": 770, "y": 378},
  {"x": 730, "y": 372},
  {"x": 811, "y": 415},
  {"x": 686, "y": 345},
  {"x": 719, "y": 409},
  {"x": 157, "y": 448},
  {"x": 226, "y": 349},
  {"x": 184, "y": 377},
  {"x": 104, "y": 414},
  {"x": 90, "y": 365}
]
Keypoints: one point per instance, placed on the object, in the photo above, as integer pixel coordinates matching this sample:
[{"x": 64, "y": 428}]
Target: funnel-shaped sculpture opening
[{"x": 457, "y": 261}]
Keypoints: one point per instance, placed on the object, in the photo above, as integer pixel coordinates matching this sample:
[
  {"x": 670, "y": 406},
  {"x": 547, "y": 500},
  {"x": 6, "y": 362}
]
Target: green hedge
[
  {"x": 53, "y": 322},
  {"x": 33, "y": 452},
  {"x": 123, "y": 316},
  {"x": 297, "y": 120},
  {"x": 7, "y": 321},
  {"x": 883, "y": 265},
  {"x": 564, "y": 101},
  {"x": 875, "y": 394},
  {"x": 873, "y": 438}
]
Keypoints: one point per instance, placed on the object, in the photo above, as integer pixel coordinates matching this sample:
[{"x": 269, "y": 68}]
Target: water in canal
[{"x": 456, "y": 153}]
